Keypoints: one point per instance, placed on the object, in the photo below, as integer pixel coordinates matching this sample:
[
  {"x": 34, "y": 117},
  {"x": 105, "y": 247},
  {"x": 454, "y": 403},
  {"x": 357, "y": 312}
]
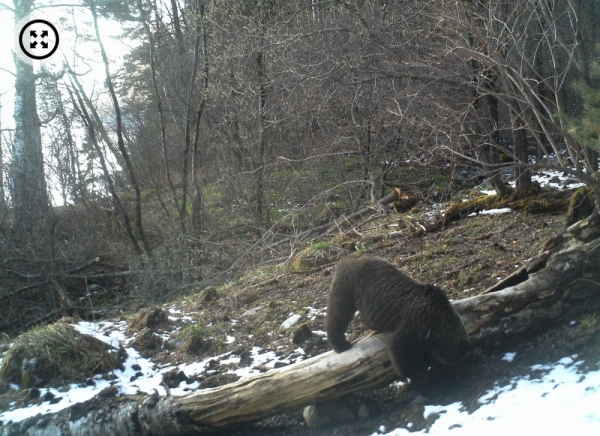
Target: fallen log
[{"x": 567, "y": 284}]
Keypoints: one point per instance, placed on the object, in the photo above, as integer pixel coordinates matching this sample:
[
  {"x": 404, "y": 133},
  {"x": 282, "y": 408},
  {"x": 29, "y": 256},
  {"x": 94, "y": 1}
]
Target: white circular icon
[{"x": 38, "y": 39}]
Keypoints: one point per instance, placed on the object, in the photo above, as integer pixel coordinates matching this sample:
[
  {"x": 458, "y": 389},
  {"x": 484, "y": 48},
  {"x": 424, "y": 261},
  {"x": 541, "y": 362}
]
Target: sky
[
  {"x": 110, "y": 32},
  {"x": 61, "y": 18},
  {"x": 6, "y": 62}
]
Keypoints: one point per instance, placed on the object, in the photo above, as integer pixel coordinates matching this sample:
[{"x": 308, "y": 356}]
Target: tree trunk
[
  {"x": 29, "y": 191},
  {"x": 187, "y": 134},
  {"x": 564, "y": 283},
  {"x": 261, "y": 155},
  {"x": 523, "y": 175},
  {"x": 196, "y": 153},
  {"x": 488, "y": 155},
  {"x": 260, "y": 161}
]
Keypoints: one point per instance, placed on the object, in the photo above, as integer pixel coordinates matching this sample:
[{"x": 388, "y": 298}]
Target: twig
[
  {"x": 107, "y": 275},
  {"x": 82, "y": 267},
  {"x": 279, "y": 277},
  {"x": 24, "y": 288},
  {"x": 346, "y": 221}
]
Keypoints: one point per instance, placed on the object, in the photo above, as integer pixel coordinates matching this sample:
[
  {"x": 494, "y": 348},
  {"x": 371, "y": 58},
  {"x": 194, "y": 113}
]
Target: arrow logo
[{"x": 43, "y": 37}]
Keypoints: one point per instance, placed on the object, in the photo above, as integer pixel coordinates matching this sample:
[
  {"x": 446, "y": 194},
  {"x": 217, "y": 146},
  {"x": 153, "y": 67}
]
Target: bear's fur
[{"x": 424, "y": 323}]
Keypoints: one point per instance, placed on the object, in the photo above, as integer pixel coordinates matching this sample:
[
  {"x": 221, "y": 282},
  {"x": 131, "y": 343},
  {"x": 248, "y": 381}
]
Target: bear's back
[{"x": 381, "y": 292}]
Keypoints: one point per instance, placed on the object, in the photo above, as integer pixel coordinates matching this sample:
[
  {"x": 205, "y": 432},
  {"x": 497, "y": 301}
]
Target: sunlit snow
[
  {"x": 492, "y": 211},
  {"x": 564, "y": 400},
  {"x": 141, "y": 375}
]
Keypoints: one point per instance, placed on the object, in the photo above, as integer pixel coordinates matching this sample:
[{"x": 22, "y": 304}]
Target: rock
[
  {"x": 252, "y": 312},
  {"x": 94, "y": 287},
  {"x": 48, "y": 396},
  {"x": 290, "y": 322},
  {"x": 261, "y": 368},
  {"x": 340, "y": 411},
  {"x": 173, "y": 343}
]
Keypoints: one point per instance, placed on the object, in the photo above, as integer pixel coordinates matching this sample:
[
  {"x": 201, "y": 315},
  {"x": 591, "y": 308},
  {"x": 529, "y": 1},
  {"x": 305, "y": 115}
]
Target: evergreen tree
[{"x": 586, "y": 127}]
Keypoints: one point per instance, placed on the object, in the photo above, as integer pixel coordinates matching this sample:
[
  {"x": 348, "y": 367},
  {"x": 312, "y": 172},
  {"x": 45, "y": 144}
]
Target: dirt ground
[{"x": 465, "y": 258}]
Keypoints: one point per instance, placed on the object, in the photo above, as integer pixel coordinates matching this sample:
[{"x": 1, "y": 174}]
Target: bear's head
[{"x": 449, "y": 341}]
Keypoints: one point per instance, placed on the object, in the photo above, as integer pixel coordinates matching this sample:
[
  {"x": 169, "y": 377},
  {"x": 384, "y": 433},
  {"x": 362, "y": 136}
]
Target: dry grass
[{"x": 57, "y": 354}]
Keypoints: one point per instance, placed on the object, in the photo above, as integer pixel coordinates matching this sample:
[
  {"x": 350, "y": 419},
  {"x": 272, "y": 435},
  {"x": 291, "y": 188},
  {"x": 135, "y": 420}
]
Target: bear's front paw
[{"x": 341, "y": 346}]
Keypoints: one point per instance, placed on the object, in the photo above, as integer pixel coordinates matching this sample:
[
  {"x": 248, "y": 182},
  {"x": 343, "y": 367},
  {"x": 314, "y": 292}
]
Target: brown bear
[{"x": 424, "y": 323}]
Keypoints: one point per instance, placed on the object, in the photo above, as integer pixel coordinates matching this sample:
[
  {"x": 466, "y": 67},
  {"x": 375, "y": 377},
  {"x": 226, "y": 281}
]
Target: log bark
[{"x": 566, "y": 284}]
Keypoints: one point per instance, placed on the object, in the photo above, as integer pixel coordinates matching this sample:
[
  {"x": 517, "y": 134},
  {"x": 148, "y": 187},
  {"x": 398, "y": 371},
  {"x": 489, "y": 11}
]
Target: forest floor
[{"x": 223, "y": 333}]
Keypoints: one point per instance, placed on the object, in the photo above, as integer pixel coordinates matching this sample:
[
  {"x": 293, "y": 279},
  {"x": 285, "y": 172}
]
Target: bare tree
[
  {"x": 120, "y": 142},
  {"x": 533, "y": 52}
]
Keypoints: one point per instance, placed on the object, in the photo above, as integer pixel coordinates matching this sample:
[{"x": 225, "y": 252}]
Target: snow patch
[
  {"x": 492, "y": 211},
  {"x": 509, "y": 357},
  {"x": 562, "y": 401}
]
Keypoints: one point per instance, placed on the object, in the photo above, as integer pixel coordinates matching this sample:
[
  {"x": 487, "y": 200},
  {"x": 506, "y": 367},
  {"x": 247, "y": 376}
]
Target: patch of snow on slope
[{"x": 562, "y": 401}]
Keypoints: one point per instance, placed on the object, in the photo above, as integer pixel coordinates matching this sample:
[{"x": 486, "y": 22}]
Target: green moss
[
  {"x": 581, "y": 205},
  {"x": 475, "y": 205},
  {"x": 589, "y": 319},
  {"x": 260, "y": 331},
  {"x": 323, "y": 245},
  {"x": 192, "y": 329}
]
